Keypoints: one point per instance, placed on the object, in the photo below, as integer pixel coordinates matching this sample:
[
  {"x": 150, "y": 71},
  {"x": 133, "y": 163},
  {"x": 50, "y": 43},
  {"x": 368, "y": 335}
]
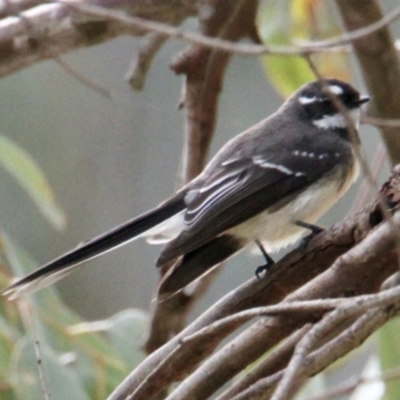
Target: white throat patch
[{"x": 338, "y": 120}]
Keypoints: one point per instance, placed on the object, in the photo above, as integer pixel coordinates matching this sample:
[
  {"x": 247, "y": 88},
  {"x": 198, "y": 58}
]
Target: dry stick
[
  {"x": 43, "y": 385},
  {"x": 380, "y": 65},
  {"x": 33, "y": 34},
  {"x": 383, "y": 233},
  {"x": 306, "y": 344},
  {"x": 292, "y": 271},
  {"x": 385, "y": 122},
  {"x": 81, "y": 78},
  {"x": 58, "y": 32},
  {"x": 153, "y": 41},
  {"x": 204, "y": 69},
  {"x": 244, "y": 49},
  {"x": 139, "y": 67},
  {"x": 151, "y": 370},
  {"x": 360, "y": 154},
  {"x": 373, "y": 251},
  {"x": 281, "y": 308},
  {"x": 56, "y": 20},
  {"x": 352, "y": 337},
  {"x": 352, "y": 304},
  {"x": 352, "y": 130},
  {"x": 275, "y": 361},
  {"x": 381, "y": 69},
  {"x": 319, "y": 359},
  {"x": 7, "y": 8},
  {"x": 138, "y": 6},
  {"x": 378, "y": 161}
]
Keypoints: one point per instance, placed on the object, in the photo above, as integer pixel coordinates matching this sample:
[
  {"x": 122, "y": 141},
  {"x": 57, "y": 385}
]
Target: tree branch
[
  {"x": 72, "y": 24},
  {"x": 380, "y": 65},
  {"x": 57, "y": 28},
  {"x": 177, "y": 359},
  {"x": 318, "y": 360}
]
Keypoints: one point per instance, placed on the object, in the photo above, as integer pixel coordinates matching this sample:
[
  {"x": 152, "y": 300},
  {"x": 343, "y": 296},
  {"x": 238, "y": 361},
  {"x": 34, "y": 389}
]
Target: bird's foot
[
  {"x": 269, "y": 262},
  {"x": 315, "y": 230}
]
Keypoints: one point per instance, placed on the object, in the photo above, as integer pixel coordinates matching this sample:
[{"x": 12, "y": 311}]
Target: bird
[{"x": 266, "y": 188}]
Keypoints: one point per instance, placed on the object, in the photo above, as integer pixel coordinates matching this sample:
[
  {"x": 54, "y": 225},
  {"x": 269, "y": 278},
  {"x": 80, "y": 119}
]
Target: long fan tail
[{"x": 123, "y": 234}]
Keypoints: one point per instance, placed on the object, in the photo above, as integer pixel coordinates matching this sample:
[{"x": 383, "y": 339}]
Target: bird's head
[{"x": 324, "y": 103}]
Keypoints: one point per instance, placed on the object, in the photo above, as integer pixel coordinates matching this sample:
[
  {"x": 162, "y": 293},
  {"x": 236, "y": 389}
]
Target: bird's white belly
[{"x": 277, "y": 230}]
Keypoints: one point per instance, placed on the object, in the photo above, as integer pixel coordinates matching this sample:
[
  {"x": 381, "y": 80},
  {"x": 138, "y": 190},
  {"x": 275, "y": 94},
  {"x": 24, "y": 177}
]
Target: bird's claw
[{"x": 315, "y": 230}]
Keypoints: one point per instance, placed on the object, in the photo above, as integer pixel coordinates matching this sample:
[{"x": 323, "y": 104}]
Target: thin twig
[
  {"x": 43, "y": 384},
  {"x": 349, "y": 387},
  {"x": 360, "y": 154},
  {"x": 377, "y": 163},
  {"x": 303, "y": 348},
  {"x": 386, "y": 122},
  {"x": 379, "y": 64},
  {"x": 275, "y": 361},
  {"x": 353, "y": 304},
  {"x": 323, "y": 328},
  {"x": 49, "y": 53},
  {"x": 244, "y": 49},
  {"x": 139, "y": 67},
  {"x": 319, "y": 359},
  {"x": 81, "y": 78}
]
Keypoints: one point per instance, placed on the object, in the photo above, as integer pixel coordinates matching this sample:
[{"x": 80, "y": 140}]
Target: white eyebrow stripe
[
  {"x": 265, "y": 164},
  {"x": 335, "y": 89},
  {"x": 308, "y": 100}
]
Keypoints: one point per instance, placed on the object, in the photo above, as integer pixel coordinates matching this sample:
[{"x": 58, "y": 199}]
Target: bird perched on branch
[{"x": 268, "y": 186}]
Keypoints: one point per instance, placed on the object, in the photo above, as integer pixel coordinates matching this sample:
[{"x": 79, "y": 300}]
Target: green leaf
[
  {"x": 290, "y": 22},
  {"x": 287, "y": 74},
  {"x": 389, "y": 353},
  {"x": 24, "y": 169},
  {"x": 91, "y": 356},
  {"x": 56, "y": 318},
  {"x": 126, "y": 331}
]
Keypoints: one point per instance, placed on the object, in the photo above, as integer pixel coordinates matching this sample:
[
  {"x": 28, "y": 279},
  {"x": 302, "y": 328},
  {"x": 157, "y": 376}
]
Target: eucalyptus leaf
[
  {"x": 126, "y": 331},
  {"x": 57, "y": 318},
  {"x": 292, "y": 22},
  {"x": 389, "y": 355},
  {"x": 31, "y": 178}
]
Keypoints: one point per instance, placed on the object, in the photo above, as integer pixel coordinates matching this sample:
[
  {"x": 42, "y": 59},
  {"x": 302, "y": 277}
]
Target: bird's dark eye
[{"x": 348, "y": 98}]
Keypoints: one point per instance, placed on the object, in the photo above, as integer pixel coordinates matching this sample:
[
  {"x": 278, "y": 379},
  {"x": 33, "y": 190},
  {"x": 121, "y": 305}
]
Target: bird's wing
[{"x": 238, "y": 190}]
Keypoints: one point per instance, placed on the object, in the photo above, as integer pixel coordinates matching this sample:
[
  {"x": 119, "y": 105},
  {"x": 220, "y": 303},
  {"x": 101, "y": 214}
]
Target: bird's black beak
[{"x": 361, "y": 100}]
